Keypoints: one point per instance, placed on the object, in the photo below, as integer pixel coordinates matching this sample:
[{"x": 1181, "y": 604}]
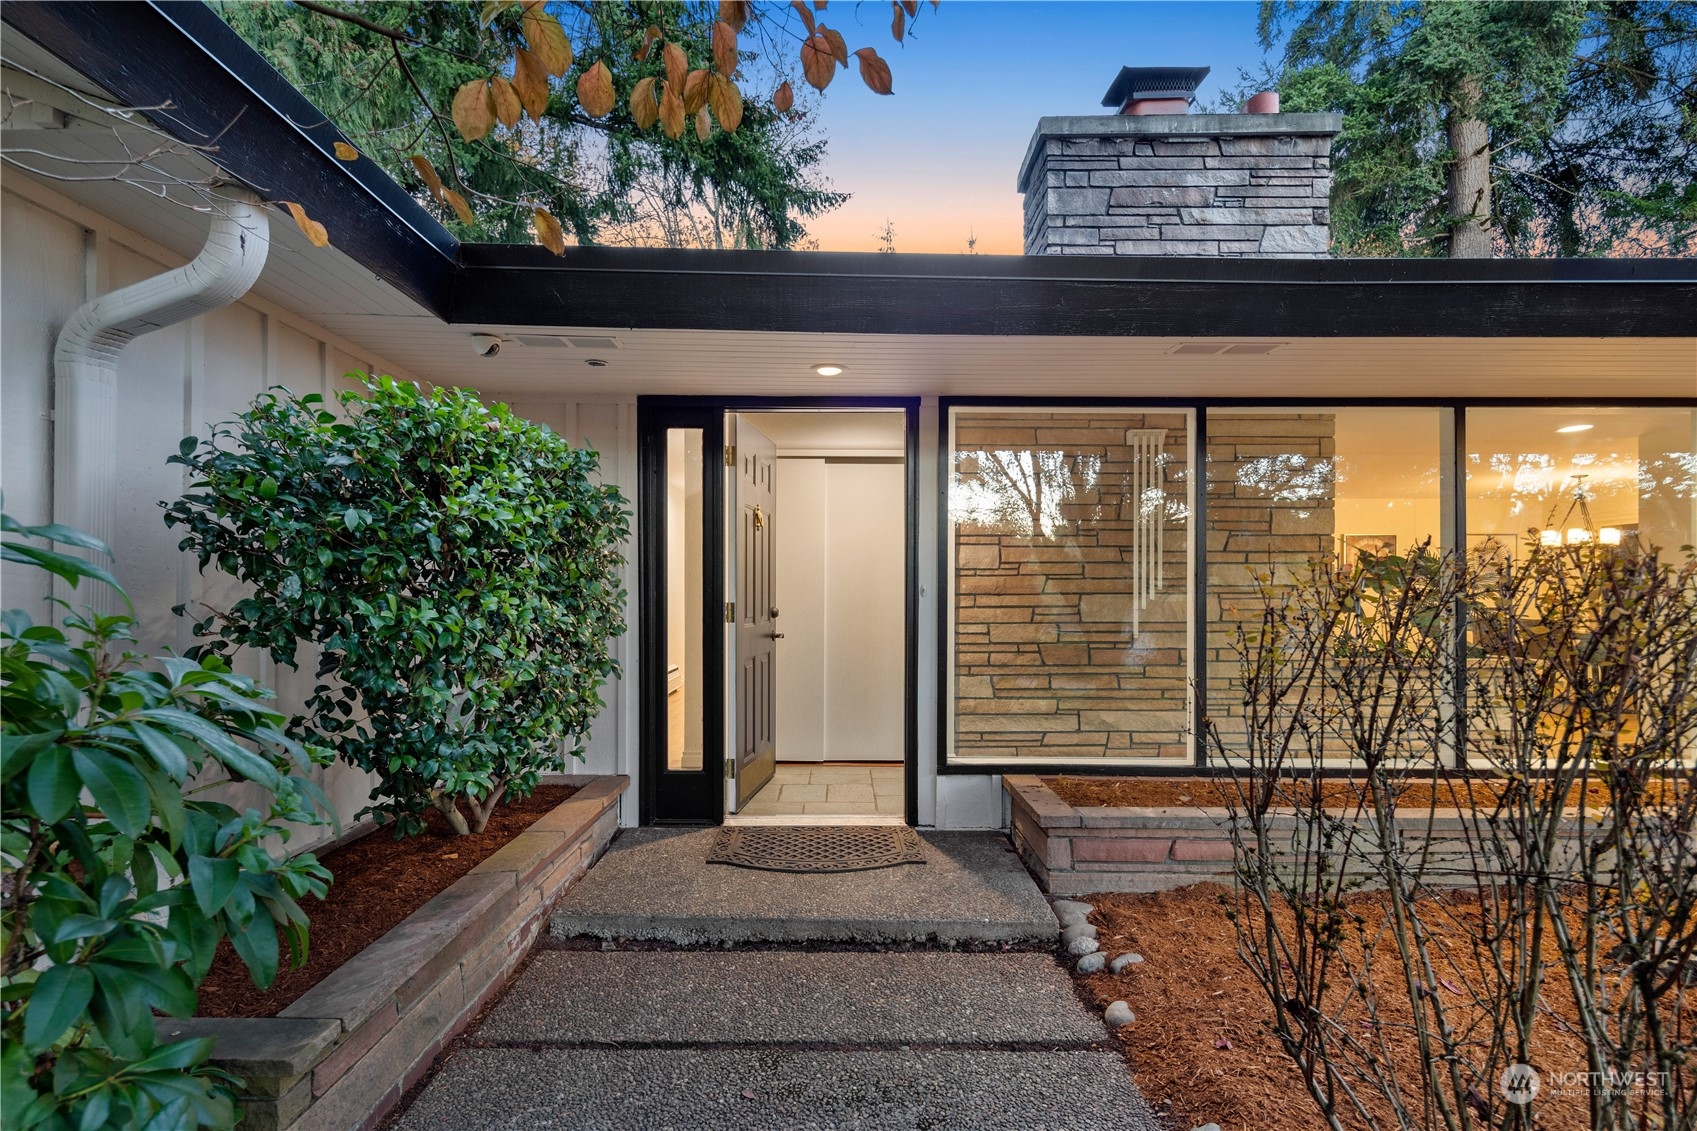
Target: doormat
[{"x": 824, "y": 848}]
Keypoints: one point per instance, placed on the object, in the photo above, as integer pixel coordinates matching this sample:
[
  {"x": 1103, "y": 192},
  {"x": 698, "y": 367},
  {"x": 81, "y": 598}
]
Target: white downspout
[{"x": 85, "y": 361}]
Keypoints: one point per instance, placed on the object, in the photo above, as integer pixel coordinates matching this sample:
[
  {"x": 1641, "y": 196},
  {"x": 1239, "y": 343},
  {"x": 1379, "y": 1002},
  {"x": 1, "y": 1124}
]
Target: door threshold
[{"x": 815, "y": 819}]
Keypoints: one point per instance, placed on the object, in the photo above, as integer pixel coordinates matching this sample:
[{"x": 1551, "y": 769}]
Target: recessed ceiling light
[
  {"x": 1576, "y": 428},
  {"x": 828, "y": 370}
]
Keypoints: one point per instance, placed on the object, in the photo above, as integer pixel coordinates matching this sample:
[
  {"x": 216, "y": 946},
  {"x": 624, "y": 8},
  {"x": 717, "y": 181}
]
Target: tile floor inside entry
[{"x": 830, "y": 789}]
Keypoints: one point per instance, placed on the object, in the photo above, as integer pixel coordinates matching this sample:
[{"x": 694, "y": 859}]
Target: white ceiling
[{"x": 834, "y": 431}]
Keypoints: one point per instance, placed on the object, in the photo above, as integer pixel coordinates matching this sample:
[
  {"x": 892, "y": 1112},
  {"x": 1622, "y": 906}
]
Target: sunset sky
[{"x": 939, "y": 157}]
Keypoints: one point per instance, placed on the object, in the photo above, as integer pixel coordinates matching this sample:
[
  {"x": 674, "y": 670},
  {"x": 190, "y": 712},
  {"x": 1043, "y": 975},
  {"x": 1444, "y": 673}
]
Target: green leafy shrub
[
  {"x": 120, "y": 881},
  {"x": 456, "y": 566}
]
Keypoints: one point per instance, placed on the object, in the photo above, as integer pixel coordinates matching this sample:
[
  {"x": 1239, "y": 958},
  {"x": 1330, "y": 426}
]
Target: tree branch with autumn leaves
[{"x": 534, "y": 54}]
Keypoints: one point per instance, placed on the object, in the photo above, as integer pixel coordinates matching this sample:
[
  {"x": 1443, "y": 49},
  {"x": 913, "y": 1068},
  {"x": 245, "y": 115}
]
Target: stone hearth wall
[
  {"x": 1224, "y": 185},
  {"x": 1271, "y": 508},
  {"x": 1047, "y": 663}
]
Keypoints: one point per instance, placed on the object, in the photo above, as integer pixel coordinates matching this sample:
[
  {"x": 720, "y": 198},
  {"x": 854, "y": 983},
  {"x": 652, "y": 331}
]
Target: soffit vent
[
  {"x": 566, "y": 341},
  {"x": 1215, "y": 349}
]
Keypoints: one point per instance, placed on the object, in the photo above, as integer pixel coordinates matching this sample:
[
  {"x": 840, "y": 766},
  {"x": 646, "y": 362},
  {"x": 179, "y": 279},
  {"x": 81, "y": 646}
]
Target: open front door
[{"x": 749, "y": 565}]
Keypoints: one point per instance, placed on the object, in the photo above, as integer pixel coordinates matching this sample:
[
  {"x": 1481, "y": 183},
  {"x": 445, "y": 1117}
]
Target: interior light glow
[
  {"x": 1576, "y": 428},
  {"x": 1549, "y": 538},
  {"x": 828, "y": 370},
  {"x": 1577, "y": 535},
  {"x": 1609, "y": 536}
]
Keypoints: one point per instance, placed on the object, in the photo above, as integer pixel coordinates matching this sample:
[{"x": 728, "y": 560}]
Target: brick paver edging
[
  {"x": 346, "y": 1051},
  {"x": 1090, "y": 848}
]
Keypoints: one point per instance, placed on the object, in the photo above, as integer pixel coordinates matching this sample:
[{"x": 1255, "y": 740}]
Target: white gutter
[{"x": 85, "y": 360}]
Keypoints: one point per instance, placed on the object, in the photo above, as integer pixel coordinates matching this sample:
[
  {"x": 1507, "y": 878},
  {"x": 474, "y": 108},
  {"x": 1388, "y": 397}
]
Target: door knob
[{"x": 775, "y": 635}]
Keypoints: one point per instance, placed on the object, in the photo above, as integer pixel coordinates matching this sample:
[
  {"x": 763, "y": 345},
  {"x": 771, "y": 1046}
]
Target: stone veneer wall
[
  {"x": 1047, "y": 665},
  {"x": 1271, "y": 507},
  {"x": 1223, "y": 185}
]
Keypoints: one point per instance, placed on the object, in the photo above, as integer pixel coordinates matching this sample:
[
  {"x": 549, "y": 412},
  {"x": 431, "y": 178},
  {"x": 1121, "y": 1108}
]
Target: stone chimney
[{"x": 1152, "y": 179}]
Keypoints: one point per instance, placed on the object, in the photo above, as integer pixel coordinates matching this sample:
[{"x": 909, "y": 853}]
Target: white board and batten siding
[{"x": 172, "y": 383}]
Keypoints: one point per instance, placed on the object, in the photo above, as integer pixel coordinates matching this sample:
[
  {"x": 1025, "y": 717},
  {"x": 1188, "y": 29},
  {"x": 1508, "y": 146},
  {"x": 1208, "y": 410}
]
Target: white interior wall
[
  {"x": 865, "y": 610},
  {"x": 171, "y": 383}
]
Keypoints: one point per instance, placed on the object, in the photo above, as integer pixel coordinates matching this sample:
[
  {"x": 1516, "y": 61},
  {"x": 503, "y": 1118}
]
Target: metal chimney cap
[{"x": 1154, "y": 82}]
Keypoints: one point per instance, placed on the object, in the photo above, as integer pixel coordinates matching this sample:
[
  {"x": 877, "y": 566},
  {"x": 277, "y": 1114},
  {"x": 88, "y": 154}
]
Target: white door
[{"x": 750, "y": 563}]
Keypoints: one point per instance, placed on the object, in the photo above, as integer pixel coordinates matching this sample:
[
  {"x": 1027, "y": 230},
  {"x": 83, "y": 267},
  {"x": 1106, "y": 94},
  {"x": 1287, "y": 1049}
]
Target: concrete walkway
[{"x": 776, "y": 1029}]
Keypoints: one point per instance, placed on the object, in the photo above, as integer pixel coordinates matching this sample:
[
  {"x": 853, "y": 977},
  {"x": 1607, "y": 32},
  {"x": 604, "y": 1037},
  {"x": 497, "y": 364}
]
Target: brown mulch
[
  {"x": 379, "y": 881},
  {"x": 1200, "y": 1050},
  {"x": 1219, "y": 793}
]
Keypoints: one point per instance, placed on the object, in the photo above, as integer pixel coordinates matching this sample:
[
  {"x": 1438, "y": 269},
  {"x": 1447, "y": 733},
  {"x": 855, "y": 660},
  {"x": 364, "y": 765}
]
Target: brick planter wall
[
  {"x": 1077, "y": 850},
  {"x": 346, "y": 1051}
]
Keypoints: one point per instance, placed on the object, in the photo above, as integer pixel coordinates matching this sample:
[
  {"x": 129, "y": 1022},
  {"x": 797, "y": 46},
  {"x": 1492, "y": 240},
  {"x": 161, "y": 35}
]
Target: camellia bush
[
  {"x": 120, "y": 878},
  {"x": 456, "y": 568}
]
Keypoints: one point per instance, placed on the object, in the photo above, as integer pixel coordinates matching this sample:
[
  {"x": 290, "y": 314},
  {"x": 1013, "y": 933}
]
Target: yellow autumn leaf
[
  {"x": 458, "y": 204},
  {"x": 703, "y": 124},
  {"x": 874, "y": 70},
  {"x": 346, "y": 152},
  {"x": 725, "y": 48},
  {"x": 643, "y": 107},
  {"x": 818, "y": 64},
  {"x": 530, "y": 79},
  {"x": 839, "y": 48},
  {"x": 549, "y": 233},
  {"x": 595, "y": 91},
  {"x": 726, "y": 101},
  {"x": 312, "y": 229},
  {"x": 473, "y": 110},
  {"x": 672, "y": 112},
  {"x": 677, "y": 64},
  {"x": 549, "y": 42},
  {"x": 783, "y": 98},
  {"x": 695, "y": 91},
  {"x": 427, "y": 174},
  {"x": 734, "y": 12},
  {"x": 508, "y": 108}
]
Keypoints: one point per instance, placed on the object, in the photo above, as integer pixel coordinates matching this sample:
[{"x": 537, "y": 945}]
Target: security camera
[{"x": 485, "y": 345}]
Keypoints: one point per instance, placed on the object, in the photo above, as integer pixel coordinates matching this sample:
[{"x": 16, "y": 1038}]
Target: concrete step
[
  {"x": 656, "y": 884},
  {"x": 718, "y": 998},
  {"x": 768, "y": 1089}
]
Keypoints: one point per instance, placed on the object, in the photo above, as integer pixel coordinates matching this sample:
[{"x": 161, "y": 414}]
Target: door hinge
[
  {"x": 730, "y": 455},
  {"x": 730, "y": 612},
  {"x": 730, "y": 769}
]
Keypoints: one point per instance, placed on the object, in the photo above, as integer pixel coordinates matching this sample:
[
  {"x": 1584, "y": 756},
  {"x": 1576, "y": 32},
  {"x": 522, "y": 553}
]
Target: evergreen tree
[{"x": 1500, "y": 126}]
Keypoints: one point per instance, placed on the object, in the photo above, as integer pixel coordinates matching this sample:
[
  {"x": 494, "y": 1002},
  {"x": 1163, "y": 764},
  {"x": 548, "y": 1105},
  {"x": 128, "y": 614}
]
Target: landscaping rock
[
  {"x": 1118, "y": 1013},
  {"x": 1065, "y": 906},
  {"x": 1078, "y": 931},
  {"x": 1073, "y": 918},
  {"x": 1083, "y": 945},
  {"x": 1123, "y": 961},
  {"x": 1207, "y": 1127},
  {"x": 1090, "y": 963}
]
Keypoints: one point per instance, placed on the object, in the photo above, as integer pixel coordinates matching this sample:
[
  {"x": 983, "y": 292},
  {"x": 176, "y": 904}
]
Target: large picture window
[
  {"x": 1289, "y": 487},
  {"x": 1070, "y": 582}
]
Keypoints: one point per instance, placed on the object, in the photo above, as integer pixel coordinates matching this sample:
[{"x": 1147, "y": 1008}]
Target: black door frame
[{"x": 695, "y": 798}]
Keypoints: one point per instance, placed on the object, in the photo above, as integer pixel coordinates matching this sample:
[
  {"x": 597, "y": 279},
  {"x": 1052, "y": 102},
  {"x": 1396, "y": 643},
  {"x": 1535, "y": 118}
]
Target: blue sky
[{"x": 939, "y": 157}]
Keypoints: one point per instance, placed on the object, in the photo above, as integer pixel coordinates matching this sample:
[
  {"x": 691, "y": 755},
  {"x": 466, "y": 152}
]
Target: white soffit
[{"x": 701, "y": 362}]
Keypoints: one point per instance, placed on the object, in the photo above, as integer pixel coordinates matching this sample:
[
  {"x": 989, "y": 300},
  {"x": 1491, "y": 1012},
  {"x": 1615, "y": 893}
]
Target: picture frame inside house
[
  {"x": 1498, "y": 550},
  {"x": 1369, "y": 545}
]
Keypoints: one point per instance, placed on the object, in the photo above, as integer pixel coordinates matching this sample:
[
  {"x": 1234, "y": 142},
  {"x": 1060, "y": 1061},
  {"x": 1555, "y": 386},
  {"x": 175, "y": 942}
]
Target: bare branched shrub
[{"x": 1412, "y": 926}]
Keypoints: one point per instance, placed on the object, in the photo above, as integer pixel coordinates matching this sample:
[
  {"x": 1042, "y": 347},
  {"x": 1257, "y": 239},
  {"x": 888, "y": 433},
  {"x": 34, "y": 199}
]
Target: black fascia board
[
  {"x": 262, "y": 130},
  {"x": 851, "y": 292}
]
